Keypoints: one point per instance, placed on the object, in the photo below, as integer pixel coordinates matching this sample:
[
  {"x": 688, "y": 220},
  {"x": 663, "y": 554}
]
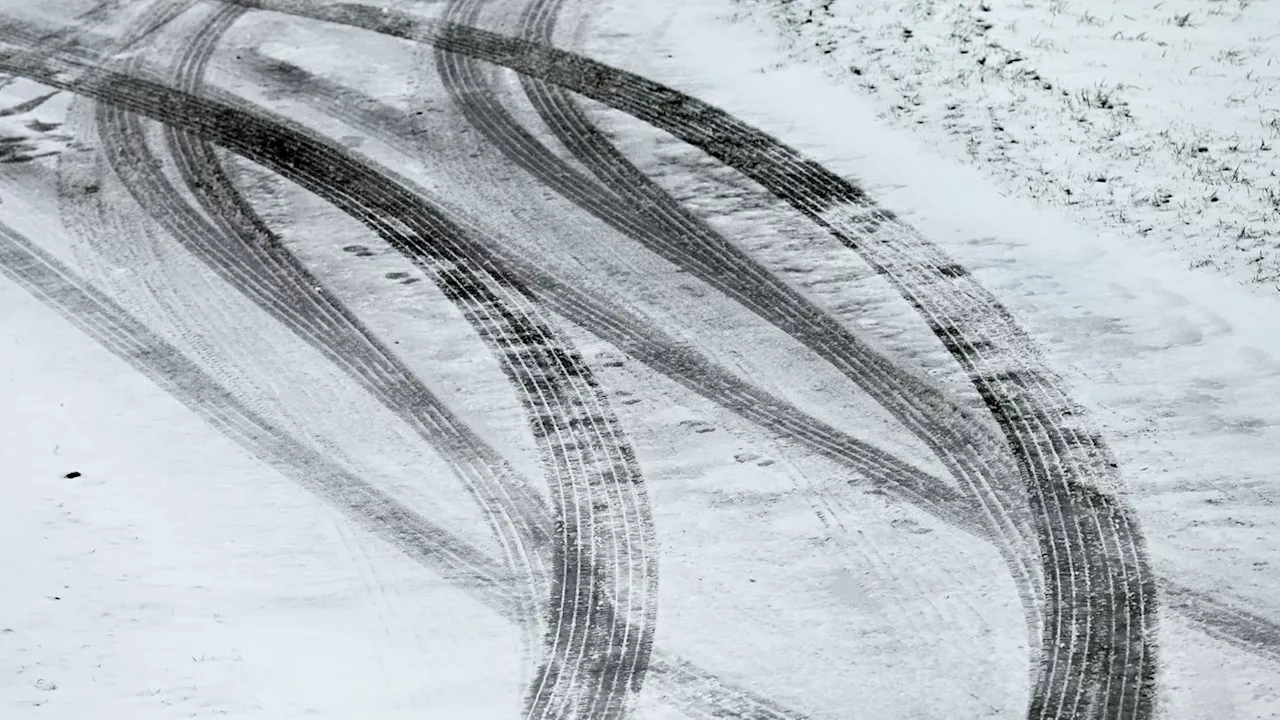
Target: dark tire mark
[
  {"x": 595, "y": 473},
  {"x": 629, "y": 201},
  {"x": 1099, "y": 640},
  {"x": 1244, "y": 629},
  {"x": 250, "y": 258},
  {"x": 647, "y": 344},
  {"x": 848, "y": 228},
  {"x": 633, "y": 204},
  {"x": 647, "y": 217},
  {"x": 525, "y": 524},
  {"x": 717, "y": 697},
  {"x": 673, "y": 359},
  {"x": 585, "y": 633},
  {"x": 435, "y": 548},
  {"x": 822, "y": 191}
]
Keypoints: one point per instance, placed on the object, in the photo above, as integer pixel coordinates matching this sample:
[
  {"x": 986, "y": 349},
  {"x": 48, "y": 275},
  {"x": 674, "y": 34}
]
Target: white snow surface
[{"x": 180, "y": 577}]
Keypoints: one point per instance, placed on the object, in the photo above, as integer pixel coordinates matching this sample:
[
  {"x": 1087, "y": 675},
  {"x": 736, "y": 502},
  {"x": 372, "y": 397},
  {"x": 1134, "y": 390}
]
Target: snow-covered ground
[
  {"x": 1155, "y": 119},
  {"x": 1180, "y": 366},
  {"x": 180, "y": 576}
]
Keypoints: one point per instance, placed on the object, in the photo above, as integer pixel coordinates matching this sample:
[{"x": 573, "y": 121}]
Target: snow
[
  {"x": 1154, "y": 119},
  {"x": 1178, "y": 365},
  {"x": 178, "y": 576}
]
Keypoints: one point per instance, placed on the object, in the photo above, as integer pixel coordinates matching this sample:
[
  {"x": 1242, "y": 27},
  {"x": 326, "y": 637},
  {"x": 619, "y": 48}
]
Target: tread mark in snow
[{"x": 1099, "y": 636}]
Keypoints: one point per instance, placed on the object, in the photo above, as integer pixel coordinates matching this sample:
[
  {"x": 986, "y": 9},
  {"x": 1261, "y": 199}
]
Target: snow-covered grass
[{"x": 1156, "y": 118}]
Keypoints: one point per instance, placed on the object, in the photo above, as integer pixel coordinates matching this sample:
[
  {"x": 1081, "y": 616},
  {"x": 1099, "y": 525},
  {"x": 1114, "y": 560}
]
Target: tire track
[
  {"x": 723, "y": 267},
  {"x": 1061, "y": 459},
  {"x": 608, "y": 583},
  {"x": 254, "y": 262},
  {"x": 647, "y": 344},
  {"x": 525, "y": 525},
  {"x": 1099, "y": 643},
  {"x": 646, "y": 213},
  {"x": 1223, "y": 625},
  {"x": 1096, "y": 570},
  {"x": 433, "y": 547},
  {"x": 460, "y": 564},
  {"x": 665, "y": 226},
  {"x": 630, "y": 202},
  {"x": 716, "y": 698},
  {"x": 1245, "y": 630},
  {"x": 403, "y": 27},
  {"x": 112, "y": 327}
]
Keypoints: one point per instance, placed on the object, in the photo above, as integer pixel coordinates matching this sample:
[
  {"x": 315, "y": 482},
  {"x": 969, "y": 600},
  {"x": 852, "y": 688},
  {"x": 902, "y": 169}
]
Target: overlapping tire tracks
[
  {"x": 649, "y": 345},
  {"x": 1099, "y": 658},
  {"x": 689, "y": 244},
  {"x": 658, "y": 214},
  {"x": 604, "y": 559},
  {"x": 300, "y": 158},
  {"x": 461, "y": 565},
  {"x": 248, "y": 256},
  {"x": 625, "y": 198},
  {"x": 784, "y": 176},
  {"x": 99, "y": 317},
  {"x": 1086, "y": 530},
  {"x": 716, "y": 696}
]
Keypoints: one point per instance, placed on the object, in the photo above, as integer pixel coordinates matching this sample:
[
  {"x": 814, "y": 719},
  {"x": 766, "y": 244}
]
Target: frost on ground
[{"x": 1158, "y": 119}]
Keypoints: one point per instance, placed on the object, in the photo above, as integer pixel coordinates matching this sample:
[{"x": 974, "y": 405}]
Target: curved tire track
[
  {"x": 1061, "y": 459},
  {"x": 253, "y": 261},
  {"x": 112, "y": 327},
  {"x": 630, "y": 202},
  {"x": 712, "y": 259},
  {"x": 607, "y": 586},
  {"x": 585, "y": 629},
  {"x": 1099, "y": 640},
  {"x": 647, "y": 344},
  {"x": 402, "y": 26},
  {"x": 455, "y": 561},
  {"x": 714, "y": 697}
]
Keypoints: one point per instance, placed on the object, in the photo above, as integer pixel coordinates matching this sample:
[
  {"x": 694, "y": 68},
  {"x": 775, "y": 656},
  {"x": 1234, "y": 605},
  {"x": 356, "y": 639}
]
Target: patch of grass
[
  {"x": 1231, "y": 57},
  {"x": 1101, "y": 97},
  {"x": 1271, "y": 196}
]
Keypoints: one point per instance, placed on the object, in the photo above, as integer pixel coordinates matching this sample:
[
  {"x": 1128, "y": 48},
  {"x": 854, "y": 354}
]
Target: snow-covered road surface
[{"x": 364, "y": 363}]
